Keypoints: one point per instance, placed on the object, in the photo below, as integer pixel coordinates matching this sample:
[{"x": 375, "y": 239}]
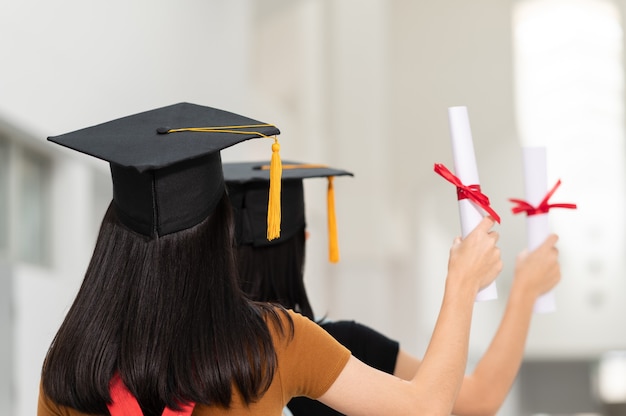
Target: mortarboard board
[
  {"x": 165, "y": 164},
  {"x": 246, "y": 183}
]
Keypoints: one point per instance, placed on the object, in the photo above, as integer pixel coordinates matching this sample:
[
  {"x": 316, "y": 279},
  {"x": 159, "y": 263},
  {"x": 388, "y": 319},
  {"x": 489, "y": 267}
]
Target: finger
[
  {"x": 495, "y": 235},
  {"x": 552, "y": 238},
  {"x": 486, "y": 223},
  {"x": 550, "y": 241},
  {"x": 522, "y": 255}
]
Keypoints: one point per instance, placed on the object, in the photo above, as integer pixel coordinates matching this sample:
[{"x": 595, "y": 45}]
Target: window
[
  {"x": 32, "y": 219},
  {"x": 102, "y": 194},
  {"x": 569, "y": 74},
  {"x": 4, "y": 195},
  {"x": 570, "y": 98}
]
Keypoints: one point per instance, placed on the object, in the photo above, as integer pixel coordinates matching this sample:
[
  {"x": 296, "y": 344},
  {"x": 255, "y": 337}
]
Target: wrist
[
  {"x": 461, "y": 287},
  {"x": 464, "y": 279},
  {"x": 522, "y": 295}
]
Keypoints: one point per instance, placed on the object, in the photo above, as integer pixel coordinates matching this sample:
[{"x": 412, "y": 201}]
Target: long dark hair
[
  {"x": 167, "y": 314},
  {"x": 275, "y": 273}
]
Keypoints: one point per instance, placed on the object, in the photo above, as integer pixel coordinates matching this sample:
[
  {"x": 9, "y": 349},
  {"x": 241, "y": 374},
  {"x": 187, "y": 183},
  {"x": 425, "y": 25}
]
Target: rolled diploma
[
  {"x": 537, "y": 226},
  {"x": 465, "y": 169}
]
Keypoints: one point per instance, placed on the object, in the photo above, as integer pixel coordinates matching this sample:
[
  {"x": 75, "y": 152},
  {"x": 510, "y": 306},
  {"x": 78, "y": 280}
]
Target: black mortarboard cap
[
  {"x": 247, "y": 182},
  {"x": 165, "y": 163}
]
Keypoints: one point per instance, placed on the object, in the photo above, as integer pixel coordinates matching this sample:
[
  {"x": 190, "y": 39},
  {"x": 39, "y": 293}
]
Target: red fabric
[
  {"x": 543, "y": 207},
  {"x": 125, "y": 404},
  {"x": 471, "y": 192}
]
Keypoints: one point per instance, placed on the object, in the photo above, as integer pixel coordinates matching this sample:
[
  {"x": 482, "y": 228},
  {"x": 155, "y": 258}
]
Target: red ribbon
[
  {"x": 471, "y": 192},
  {"x": 125, "y": 404},
  {"x": 543, "y": 207}
]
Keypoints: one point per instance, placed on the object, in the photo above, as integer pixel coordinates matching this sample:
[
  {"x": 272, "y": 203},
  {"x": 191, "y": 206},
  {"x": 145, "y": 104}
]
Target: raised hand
[
  {"x": 476, "y": 259},
  {"x": 539, "y": 271}
]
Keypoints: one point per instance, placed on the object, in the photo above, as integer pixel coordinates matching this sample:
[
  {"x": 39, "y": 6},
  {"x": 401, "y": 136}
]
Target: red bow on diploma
[
  {"x": 542, "y": 208},
  {"x": 471, "y": 192}
]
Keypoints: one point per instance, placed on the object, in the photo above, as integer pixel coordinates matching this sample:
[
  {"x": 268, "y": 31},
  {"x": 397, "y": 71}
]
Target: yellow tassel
[
  {"x": 273, "y": 204},
  {"x": 333, "y": 244}
]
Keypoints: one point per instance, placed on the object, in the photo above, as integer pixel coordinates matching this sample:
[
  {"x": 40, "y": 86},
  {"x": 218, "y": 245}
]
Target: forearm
[
  {"x": 484, "y": 391},
  {"x": 473, "y": 264},
  {"x": 441, "y": 371}
]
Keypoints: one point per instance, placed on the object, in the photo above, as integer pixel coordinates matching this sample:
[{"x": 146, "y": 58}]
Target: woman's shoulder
[
  {"x": 288, "y": 321},
  {"x": 311, "y": 357},
  {"x": 297, "y": 330}
]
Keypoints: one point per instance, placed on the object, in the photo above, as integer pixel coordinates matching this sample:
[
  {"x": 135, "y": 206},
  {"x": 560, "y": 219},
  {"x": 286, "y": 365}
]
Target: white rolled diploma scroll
[
  {"x": 465, "y": 169},
  {"x": 537, "y": 226}
]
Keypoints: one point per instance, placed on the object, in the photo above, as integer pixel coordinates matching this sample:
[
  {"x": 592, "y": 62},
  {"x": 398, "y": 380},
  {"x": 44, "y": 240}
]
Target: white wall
[{"x": 71, "y": 64}]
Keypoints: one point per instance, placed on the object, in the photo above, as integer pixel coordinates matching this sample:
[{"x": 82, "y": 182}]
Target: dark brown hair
[
  {"x": 275, "y": 273},
  {"x": 159, "y": 311}
]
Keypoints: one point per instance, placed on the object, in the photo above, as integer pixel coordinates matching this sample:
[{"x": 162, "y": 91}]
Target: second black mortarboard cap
[
  {"x": 165, "y": 163},
  {"x": 247, "y": 182}
]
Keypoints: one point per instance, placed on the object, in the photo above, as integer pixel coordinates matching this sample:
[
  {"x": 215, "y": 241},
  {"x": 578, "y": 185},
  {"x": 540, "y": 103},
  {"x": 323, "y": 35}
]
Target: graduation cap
[
  {"x": 246, "y": 183},
  {"x": 166, "y": 163}
]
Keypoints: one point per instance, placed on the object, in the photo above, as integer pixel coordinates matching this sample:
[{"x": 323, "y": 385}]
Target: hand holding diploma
[
  {"x": 536, "y": 207},
  {"x": 472, "y": 202}
]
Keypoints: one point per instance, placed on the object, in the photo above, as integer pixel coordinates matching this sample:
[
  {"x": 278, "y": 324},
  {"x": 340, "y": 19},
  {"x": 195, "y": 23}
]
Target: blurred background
[{"x": 361, "y": 85}]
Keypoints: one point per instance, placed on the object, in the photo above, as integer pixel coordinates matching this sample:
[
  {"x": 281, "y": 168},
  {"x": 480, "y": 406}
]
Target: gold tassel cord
[
  {"x": 224, "y": 129},
  {"x": 333, "y": 240},
  {"x": 273, "y": 205},
  {"x": 333, "y": 243},
  {"x": 297, "y": 166}
]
